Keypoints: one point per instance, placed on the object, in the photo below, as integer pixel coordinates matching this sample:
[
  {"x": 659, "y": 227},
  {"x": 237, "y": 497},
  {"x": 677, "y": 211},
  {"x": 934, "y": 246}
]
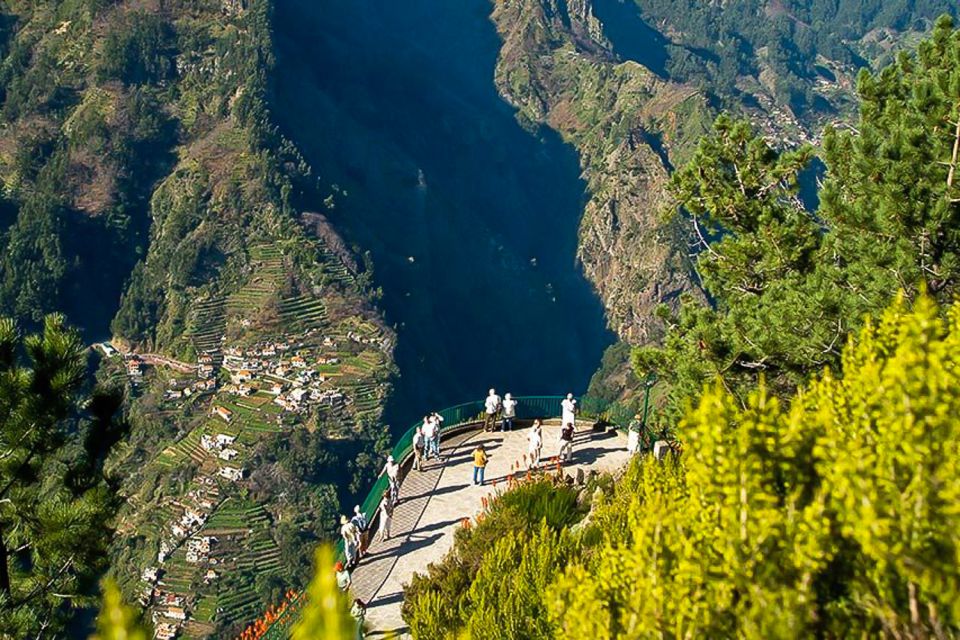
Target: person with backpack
[
  {"x": 437, "y": 421},
  {"x": 480, "y": 459},
  {"x": 566, "y": 442},
  {"x": 351, "y": 541},
  {"x": 386, "y": 516},
  {"x": 359, "y": 520}
]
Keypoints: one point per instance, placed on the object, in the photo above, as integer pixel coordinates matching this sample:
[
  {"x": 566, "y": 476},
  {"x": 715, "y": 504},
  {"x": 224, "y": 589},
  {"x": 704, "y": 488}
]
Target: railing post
[{"x": 648, "y": 382}]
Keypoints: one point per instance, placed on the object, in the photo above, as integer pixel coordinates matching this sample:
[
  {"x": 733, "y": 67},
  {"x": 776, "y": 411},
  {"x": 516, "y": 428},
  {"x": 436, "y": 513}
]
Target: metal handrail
[{"x": 455, "y": 417}]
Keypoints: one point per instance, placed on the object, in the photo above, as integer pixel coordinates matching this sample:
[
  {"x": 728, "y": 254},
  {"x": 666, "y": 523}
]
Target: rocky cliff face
[{"x": 629, "y": 128}]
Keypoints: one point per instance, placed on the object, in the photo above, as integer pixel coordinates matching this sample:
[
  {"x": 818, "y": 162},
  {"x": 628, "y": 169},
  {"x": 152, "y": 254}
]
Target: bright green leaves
[
  {"x": 839, "y": 515},
  {"x": 327, "y": 613},
  {"x": 117, "y": 621},
  {"x": 894, "y": 478}
]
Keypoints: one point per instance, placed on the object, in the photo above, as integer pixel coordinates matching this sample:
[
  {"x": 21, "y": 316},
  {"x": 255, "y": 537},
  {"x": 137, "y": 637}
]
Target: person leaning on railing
[
  {"x": 491, "y": 407},
  {"x": 437, "y": 421},
  {"x": 568, "y": 407}
]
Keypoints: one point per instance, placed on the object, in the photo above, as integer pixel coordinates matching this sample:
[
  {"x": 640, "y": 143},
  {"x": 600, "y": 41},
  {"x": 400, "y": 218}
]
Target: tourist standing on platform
[
  {"x": 509, "y": 412},
  {"x": 480, "y": 459},
  {"x": 566, "y": 442},
  {"x": 437, "y": 420},
  {"x": 359, "y": 613},
  {"x": 419, "y": 448},
  {"x": 351, "y": 541},
  {"x": 392, "y": 469},
  {"x": 386, "y": 516},
  {"x": 429, "y": 430},
  {"x": 569, "y": 410},
  {"x": 359, "y": 520},
  {"x": 491, "y": 405},
  {"x": 536, "y": 444},
  {"x": 343, "y": 577}
]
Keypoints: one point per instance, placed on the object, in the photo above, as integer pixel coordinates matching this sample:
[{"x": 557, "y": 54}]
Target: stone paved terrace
[{"x": 435, "y": 501}]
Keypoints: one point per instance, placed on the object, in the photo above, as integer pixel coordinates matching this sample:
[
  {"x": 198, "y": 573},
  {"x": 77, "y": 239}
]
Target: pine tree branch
[
  {"x": 953, "y": 161},
  {"x": 703, "y": 241},
  {"x": 43, "y": 589}
]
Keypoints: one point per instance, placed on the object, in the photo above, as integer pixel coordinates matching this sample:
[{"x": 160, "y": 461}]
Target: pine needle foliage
[
  {"x": 789, "y": 284},
  {"x": 56, "y": 503}
]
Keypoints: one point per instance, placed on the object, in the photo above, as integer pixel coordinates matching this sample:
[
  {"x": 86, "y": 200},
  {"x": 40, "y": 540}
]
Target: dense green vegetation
[
  {"x": 718, "y": 43},
  {"x": 56, "y": 503},
  {"x": 506, "y": 558},
  {"x": 789, "y": 285},
  {"x": 80, "y": 153},
  {"x": 146, "y": 192}
]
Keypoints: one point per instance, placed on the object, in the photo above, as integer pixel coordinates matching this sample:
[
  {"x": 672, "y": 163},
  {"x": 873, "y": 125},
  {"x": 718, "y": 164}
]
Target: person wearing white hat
[
  {"x": 509, "y": 413},
  {"x": 351, "y": 541}
]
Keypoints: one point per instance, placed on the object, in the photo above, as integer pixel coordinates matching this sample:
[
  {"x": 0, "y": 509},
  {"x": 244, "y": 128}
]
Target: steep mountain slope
[
  {"x": 633, "y": 94},
  {"x": 143, "y": 181},
  {"x": 629, "y": 127},
  {"x": 470, "y": 220}
]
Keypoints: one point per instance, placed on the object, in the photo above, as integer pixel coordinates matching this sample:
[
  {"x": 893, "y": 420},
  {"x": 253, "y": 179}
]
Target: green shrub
[{"x": 463, "y": 592}]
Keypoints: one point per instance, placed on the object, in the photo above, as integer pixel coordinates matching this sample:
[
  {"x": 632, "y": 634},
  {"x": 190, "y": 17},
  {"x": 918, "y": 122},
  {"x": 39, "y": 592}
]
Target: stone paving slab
[{"x": 435, "y": 501}]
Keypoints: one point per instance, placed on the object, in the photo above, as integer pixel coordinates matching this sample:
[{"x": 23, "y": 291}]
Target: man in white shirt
[
  {"x": 351, "y": 541},
  {"x": 429, "y": 430},
  {"x": 492, "y": 406},
  {"x": 509, "y": 412},
  {"x": 569, "y": 409}
]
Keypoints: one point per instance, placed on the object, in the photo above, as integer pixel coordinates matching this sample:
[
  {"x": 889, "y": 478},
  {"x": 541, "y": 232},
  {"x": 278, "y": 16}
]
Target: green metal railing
[{"x": 459, "y": 416}]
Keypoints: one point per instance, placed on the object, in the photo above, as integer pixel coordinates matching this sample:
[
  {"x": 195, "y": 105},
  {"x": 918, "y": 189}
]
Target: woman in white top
[
  {"x": 536, "y": 444},
  {"x": 569, "y": 407},
  {"x": 386, "y": 516}
]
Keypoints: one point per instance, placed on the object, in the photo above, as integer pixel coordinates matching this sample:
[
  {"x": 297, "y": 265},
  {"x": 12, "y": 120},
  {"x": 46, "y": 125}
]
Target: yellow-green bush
[{"x": 837, "y": 516}]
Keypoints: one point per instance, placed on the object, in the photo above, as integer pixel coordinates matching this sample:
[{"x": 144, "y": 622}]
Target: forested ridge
[
  {"x": 146, "y": 193},
  {"x": 719, "y": 43}
]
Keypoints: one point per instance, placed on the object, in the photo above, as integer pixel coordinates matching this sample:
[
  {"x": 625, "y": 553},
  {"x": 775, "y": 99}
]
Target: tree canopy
[
  {"x": 787, "y": 283},
  {"x": 56, "y": 502},
  {"x": 832, "y": 514}
]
